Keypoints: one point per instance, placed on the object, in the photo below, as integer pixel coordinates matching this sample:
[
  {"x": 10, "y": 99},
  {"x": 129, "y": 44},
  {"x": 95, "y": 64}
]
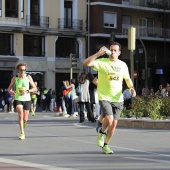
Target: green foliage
[{"x": 153, "y": 107}]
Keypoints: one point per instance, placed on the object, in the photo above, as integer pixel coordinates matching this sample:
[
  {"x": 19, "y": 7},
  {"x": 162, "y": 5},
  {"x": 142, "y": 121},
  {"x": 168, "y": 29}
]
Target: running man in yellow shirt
[{"x": 111, "y": 72}]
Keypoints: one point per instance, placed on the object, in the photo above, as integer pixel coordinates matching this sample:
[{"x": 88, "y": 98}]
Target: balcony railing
[
  {"x": 160, "y": 4},
  {"x": 40, "y": 21},
  {"x": 148, "y": 32},
  {"x": 70, "y": 24}
]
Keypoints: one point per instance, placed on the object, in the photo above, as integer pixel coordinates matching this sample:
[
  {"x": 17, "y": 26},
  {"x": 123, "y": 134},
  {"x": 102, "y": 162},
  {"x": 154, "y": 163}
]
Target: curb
[
  {"x": 136, "y": 123},
  {"x": 144, "y": 124}
]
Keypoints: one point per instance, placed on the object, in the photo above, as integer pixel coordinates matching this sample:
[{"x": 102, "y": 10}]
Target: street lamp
[{"x": 131, "y": 47}]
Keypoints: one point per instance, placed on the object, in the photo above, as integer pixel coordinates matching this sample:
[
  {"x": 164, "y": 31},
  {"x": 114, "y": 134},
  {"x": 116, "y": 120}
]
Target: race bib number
[
  {"x": 34, "y": 96},
  {"x": 21, "y": 89},
  {"x": 112, "y": 77}
]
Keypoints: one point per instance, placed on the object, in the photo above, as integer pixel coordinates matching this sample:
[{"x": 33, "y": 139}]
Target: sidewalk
[
  {"x": 138, "y": 123},
  {"x": 130, "y": 122}
]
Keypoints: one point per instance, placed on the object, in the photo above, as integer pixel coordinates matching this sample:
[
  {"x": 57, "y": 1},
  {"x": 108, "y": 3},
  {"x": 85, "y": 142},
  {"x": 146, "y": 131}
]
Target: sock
[
  {"x": 105, "y": 144},
  {"x": 101, "y": 131}
]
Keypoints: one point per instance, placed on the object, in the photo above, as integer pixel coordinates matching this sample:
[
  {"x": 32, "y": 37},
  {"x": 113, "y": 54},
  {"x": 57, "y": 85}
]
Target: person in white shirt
[{"x": 127, "y": 98}]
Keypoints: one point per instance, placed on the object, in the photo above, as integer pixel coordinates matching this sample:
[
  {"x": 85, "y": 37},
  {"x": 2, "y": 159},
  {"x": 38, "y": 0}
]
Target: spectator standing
[
  {"x": 53, "y": 100},
  {"x": 74, "y": 96},
  {"x": 84, "y": 99},
  {"x": 92, "y": 88},
  {"x": 48, "y": 98},
  {"x": 61, "y": 96},
  {"x": 127, "y": 95},
  {"x": 9, "y": 102},
  {"x": 68, "y": 98}
]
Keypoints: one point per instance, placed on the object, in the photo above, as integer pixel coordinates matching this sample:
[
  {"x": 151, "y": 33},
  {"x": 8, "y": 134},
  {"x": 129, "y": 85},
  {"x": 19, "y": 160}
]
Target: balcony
[
  {"x": 159, "y": 4},
  {"x": 148, "y": 33},
  {"x": 40, "y": 21},
  {"x": 73, "y": 24}
]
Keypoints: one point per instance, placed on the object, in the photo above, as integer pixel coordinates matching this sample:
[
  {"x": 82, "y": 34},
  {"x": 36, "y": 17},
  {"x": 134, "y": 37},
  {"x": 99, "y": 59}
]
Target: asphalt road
[{"x": 61, "y": 143}]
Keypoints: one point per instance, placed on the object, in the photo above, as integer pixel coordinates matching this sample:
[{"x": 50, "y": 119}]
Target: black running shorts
[
  {"x": 111, "y": 108},
  {"x": 26, "y": 104}
]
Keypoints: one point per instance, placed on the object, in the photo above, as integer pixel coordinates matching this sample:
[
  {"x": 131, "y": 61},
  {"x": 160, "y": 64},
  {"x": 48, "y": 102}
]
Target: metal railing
[
  {"x": 148, "y": 31},
  {"x": 160, "y": 4},
  {"x": 40, "y": 21},
  {"x": 75, "y": 24}
]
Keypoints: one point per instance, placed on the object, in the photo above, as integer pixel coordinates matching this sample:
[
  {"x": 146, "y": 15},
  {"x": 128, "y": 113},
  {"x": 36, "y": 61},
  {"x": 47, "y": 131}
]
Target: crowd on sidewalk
[
  {"x": 74, "y": 104},
  {"x": 68, "y": 101}
]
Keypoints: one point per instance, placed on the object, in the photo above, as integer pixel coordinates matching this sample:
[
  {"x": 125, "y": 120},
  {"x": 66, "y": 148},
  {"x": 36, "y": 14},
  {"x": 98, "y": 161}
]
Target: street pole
[
  {"x": 131, "y": 47},
  {"x": 137, "y": 77},
  {"x": 71, "y": 68},
  {"x": 132, "y": 65}
]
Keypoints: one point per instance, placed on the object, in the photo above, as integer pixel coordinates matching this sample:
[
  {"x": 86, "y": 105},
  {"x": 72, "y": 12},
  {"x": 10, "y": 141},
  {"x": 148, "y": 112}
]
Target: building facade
[
  {"x": 109, "y": 21},
  {"x": 42, "y": 33}
]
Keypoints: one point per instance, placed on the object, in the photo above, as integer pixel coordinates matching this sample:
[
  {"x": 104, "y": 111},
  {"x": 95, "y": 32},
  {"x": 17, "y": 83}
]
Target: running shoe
[
  {"x": 100, "y": 139},
  {"x": 22, "y": 136},
  {"x": 25, "y": 124},
  {"x": 106, "y": 149}
]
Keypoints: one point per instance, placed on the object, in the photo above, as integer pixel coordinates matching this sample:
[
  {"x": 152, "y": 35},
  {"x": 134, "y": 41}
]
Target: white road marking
[
  {"x": 32, "y": 165},
  {"x": 148, "y": 160}
]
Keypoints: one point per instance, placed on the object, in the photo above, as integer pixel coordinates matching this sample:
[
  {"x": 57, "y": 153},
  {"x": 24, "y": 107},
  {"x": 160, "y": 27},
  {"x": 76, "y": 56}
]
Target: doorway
[{"x": 5, "y": 78}]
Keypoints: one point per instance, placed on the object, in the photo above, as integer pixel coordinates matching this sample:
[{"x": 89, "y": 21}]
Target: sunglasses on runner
[{"x": 21, "y": 70}]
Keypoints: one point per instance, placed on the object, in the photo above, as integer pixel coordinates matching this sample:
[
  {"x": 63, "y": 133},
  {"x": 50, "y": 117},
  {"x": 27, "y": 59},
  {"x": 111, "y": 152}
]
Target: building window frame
[
  {"x": 110, "y": 19},
  {"x": 68, "y": 14},
  {"x": 34, "y": 45},
  {"x": 6, "y": 44},
  {"x": 22, "y": 9},
  {"x": 65, "y": 46},
  {"x": 11, "y": 8}
]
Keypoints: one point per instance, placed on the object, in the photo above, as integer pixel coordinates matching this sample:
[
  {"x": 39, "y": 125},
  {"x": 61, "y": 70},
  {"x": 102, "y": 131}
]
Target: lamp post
[{"x": 131, "y": 47}]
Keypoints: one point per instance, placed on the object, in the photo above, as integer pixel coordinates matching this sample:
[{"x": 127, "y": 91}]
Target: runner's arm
[
  {"x": 11, "y": 85},
  {"x": 130, "y": 85},
  {"x": 34, "y": 88},
  {"x": 89, "y": 61}
]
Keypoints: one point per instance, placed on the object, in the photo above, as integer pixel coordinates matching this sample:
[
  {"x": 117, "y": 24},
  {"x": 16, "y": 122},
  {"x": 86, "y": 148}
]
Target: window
[
  {"x": 146, "y": 27},
  {"x": 35, "y": 13},
  {"x": 6, "y": 44},
  {"x": 110, "y": 20},
  {"x": 67, "y": 14},
  {"x": 22, "y": 9},
  {"x": 11, "y": 8},
  {"x": 66, "y": 46},
  {"x": 34, "y": 45},
  {"x": 126, "y": 23}
]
